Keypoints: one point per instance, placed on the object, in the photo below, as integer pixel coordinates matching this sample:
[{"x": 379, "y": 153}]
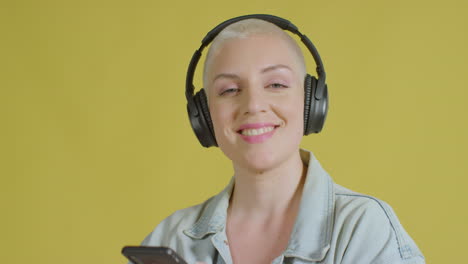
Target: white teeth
[{"x": 256, "y": 132}]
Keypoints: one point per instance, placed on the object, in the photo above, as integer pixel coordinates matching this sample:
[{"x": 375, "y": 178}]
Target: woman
[{"x": 280, "y": 206}]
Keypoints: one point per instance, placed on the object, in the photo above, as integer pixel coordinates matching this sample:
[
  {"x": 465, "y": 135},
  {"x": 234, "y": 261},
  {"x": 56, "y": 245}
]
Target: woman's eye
[
  {"x": 277, "y": 85},
  {"x": 229, "y": 91}
]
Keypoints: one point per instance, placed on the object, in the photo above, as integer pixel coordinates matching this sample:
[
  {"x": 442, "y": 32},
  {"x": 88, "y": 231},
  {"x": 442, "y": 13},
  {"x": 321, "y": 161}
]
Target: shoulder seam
[{"x": 404, "y": 249}]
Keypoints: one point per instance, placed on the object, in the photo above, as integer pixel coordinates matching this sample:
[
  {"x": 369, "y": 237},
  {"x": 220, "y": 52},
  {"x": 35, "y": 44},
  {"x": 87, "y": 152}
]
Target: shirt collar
[
  {"x": 312, "y": 233},
  {"x": 311, "y": 236},
  {"x": 213, "y": 216}
]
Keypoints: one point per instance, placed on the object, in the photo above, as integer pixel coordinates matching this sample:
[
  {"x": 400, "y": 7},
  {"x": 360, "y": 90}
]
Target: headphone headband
[{"x": 278, "y": 21}]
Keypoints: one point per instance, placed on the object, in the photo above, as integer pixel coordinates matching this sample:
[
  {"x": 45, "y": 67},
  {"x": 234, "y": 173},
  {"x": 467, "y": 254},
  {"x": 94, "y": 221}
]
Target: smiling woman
[
  {"x": 251, "y": 69},
  {"x": 281, "y": 206}
]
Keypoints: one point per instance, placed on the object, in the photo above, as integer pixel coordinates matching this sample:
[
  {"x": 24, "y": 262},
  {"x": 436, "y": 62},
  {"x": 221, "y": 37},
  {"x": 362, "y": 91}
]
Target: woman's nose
[{"x": 253, "y": 101}]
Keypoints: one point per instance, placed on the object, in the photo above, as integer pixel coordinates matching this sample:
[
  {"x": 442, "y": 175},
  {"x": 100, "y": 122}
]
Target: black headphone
[{"x": 316, "y": 92}]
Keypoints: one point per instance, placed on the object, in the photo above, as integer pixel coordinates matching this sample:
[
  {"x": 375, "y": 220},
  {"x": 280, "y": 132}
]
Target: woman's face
[{"x": 256, "y": 101}]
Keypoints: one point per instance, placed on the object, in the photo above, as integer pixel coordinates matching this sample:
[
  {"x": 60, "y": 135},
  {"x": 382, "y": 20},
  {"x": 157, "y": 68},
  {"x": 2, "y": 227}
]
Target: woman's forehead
[{"x": 253, "y": 53}]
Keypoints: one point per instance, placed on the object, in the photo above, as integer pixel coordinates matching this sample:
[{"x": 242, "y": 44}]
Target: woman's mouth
[{"x": 257, "y": 132}]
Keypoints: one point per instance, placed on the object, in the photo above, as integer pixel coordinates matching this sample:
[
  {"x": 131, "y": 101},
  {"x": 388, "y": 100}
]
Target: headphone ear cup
[
  {"x": 307, "y": 100},
  {"x": 202, "y": 124},
  {"x": 315, "y": 110}
]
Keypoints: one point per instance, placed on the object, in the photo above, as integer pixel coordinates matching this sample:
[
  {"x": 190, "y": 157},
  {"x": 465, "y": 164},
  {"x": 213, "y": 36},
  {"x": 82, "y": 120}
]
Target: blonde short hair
[{"x": 244, "y": 29}]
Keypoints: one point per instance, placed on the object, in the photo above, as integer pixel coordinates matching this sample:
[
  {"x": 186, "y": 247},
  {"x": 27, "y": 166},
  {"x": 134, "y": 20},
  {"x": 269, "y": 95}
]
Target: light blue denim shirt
[{"x": 334, "y": 225}]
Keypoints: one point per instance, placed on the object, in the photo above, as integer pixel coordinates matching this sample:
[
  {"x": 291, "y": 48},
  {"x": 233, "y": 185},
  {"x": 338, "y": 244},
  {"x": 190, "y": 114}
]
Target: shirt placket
[
  {"x": 278, "y": 260},
  {"x": 219, "y": 241}
]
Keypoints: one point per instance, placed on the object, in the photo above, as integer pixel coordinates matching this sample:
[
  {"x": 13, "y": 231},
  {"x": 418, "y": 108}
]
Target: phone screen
[{"x": 152, "y": 255}]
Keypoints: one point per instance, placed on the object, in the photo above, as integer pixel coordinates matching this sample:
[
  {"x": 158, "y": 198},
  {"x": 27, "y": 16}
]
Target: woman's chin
[
  {"x": 259, "y": 158},
  {"x": 258, "y": 161}
]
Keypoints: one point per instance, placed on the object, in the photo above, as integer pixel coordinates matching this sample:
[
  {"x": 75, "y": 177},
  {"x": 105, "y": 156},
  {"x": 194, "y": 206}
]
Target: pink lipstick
[{"x": 256, "y": 132}]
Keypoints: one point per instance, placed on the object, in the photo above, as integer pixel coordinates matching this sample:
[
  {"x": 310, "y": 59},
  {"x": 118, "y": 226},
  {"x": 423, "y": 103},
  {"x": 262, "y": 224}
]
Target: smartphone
[{"x": 152, "y": 255}]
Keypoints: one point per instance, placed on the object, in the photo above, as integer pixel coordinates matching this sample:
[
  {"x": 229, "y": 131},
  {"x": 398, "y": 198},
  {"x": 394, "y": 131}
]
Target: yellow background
[{"x": 96, "y": 147}]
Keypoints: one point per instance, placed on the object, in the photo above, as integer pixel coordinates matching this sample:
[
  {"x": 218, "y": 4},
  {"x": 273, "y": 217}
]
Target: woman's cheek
[{"x": 219, "y": 117}]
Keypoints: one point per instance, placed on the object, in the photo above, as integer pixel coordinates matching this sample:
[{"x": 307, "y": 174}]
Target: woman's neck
[{"x": 270, "y": 193}]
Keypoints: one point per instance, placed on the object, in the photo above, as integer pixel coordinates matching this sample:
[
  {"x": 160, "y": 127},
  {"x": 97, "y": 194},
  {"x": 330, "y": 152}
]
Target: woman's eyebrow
[
  {"x": 226, "y": 75},
  {"x": 275, "y": 67},
  {"x": 264, "y": 70}
]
